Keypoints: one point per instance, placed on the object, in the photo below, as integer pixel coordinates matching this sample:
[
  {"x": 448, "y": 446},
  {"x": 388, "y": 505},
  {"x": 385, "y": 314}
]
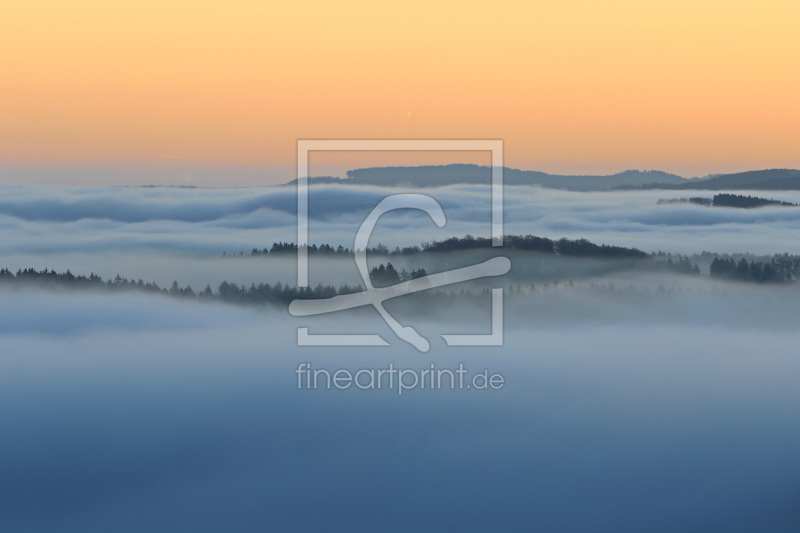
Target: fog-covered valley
[{"x": 637, "y": 396}]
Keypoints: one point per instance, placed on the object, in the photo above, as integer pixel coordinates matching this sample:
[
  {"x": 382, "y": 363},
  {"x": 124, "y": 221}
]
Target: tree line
[
  {"x": 256, "y": 294},
  {"x": 261, "y": 293},
  {"x": 728, "y": 200},
  {"x": 781, "y": 268},
  {"x": 564, "y": 246},
  {"x": 739, "y": 200}
]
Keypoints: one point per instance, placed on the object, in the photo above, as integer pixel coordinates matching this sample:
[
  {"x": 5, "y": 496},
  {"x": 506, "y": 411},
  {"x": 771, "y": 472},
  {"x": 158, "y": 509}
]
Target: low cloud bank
[
  {"x": 187, "y": 417},
  {"x": 43, "y": 220}
]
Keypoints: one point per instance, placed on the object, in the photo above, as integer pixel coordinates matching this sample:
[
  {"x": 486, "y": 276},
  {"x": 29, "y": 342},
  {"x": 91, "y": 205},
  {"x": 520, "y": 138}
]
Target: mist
[
  {"x": 635, "y": 398},
  {"x": 165, "y": 415},
  {"x": 210, "y": 221}
]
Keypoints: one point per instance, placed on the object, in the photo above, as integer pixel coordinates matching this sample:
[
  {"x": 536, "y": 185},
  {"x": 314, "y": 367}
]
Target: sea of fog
[
  {"x": 166, "y": 234},
  {"x": 630, "y": 402},
  {"x": 146, "y": 413}
]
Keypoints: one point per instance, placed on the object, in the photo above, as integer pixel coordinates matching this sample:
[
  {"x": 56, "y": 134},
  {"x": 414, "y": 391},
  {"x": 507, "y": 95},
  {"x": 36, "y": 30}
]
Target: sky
[{"x": 571, "y": 86}]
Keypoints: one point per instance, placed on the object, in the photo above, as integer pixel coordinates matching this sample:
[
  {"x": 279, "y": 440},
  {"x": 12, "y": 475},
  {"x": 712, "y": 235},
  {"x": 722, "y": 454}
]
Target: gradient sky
[{"x": 691, "y": 87}]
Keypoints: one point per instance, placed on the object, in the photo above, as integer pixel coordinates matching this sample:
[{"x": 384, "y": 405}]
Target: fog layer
[{"x": 179, "y": 416}]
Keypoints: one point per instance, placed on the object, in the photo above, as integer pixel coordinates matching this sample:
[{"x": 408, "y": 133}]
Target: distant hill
[
  {"x": 758, "y": 180},
  {"x": 436, "y": 176}
]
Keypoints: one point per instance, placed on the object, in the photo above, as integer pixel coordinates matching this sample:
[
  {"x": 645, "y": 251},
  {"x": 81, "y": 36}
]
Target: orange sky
[{"x": 570, "y": 85}]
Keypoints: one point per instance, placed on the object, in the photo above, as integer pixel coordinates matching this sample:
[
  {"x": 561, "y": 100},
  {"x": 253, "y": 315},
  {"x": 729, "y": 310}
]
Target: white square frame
[{"x": 305, "y": 146}]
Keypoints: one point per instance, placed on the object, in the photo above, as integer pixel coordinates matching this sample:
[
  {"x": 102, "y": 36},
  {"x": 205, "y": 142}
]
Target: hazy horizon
[{"x": 222, "y": 176}]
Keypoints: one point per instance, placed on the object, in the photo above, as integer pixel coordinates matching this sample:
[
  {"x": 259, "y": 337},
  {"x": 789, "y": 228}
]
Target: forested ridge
[
  {"x": 728, "y": 200},
  {"x": 531, "y": 243},
  {"x": 779, "y": 269}
]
